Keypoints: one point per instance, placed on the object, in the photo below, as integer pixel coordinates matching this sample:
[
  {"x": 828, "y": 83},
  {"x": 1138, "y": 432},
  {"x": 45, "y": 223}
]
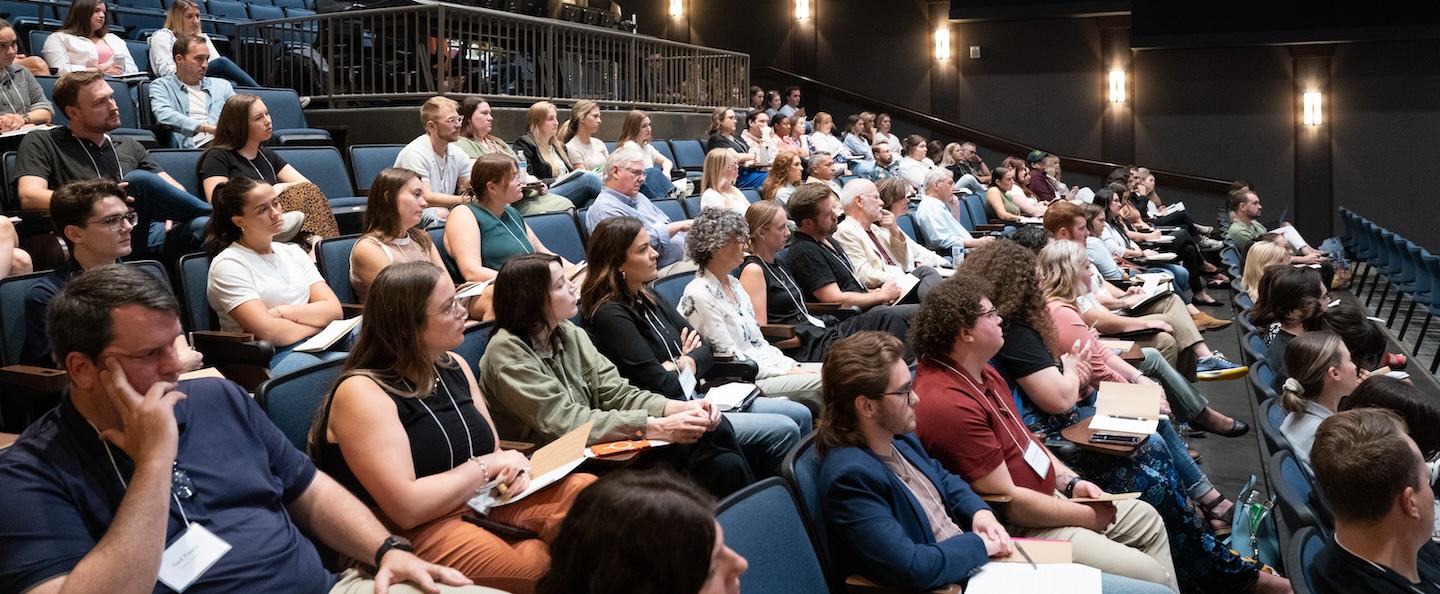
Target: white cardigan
[{"x": 68, "y": 53}]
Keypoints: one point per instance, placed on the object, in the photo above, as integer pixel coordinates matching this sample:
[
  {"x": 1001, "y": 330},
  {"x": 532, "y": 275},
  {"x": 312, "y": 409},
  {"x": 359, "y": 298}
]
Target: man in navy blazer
[{"x": 892, "y": 513}]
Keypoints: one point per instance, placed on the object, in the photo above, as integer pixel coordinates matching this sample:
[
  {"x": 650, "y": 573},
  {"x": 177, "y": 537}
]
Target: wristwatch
[
  {"x": 1069, "y": 490},
  {"x": 26, "y": 117},
  {"x": 392, "y": 542}
]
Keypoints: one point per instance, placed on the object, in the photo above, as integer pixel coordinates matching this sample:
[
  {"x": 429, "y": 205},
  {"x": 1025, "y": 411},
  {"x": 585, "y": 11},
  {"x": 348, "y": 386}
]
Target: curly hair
[
  {"x": 714, "y": 229},
  {"x": 950, "y": 307},
  {"x": 1010, "y": 268}
]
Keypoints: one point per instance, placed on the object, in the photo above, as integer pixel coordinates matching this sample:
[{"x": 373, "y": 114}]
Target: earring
[{"x": 622, "y": 275}]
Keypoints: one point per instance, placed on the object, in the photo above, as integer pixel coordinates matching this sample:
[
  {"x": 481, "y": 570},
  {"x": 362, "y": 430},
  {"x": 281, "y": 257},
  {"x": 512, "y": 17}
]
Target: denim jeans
[
  {"x": 222, "y": 67},
  {"x": 1192, "y": 480},
  {"x": 657, "y": 184},
  {"x": 969, "y": 182},
  {"x": 581, "y": 190},
  {"x": 156, "y": 201},
  {"x": 768, "y": 431},
  {"x": 1114, "y": 584}
]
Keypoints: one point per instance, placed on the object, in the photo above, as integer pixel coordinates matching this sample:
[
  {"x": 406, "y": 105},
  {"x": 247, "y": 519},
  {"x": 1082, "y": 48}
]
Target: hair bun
[{"x": 1293, "y": 385}]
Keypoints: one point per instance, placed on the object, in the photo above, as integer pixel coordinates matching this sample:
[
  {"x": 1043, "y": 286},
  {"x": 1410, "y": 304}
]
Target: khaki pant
[
  {"x": 1135, "y": 546},
  {"x": 1171, "y": 309},
  {"x": 354, "y": 582}
]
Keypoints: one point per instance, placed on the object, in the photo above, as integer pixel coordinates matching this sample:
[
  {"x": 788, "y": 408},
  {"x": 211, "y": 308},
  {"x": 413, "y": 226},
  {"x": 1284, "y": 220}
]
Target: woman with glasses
[
  {"x": 407, "y": 431},
  {"x": 259, "y": 286},
  {"x": 722, "y": 135}
]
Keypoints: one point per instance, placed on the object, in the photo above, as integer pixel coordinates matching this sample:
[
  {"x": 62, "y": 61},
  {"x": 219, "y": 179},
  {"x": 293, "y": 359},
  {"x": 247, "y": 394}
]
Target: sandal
[{"x": 1208, "y": 511}]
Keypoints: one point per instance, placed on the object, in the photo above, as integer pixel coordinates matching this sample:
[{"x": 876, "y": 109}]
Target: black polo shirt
[{"x": 60, "y": 157}]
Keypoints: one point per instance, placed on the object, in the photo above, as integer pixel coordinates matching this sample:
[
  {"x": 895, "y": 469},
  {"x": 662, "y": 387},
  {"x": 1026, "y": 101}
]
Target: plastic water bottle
[
  {"x": 521, "y": 164},
  {"x": 957, "y": 256}
]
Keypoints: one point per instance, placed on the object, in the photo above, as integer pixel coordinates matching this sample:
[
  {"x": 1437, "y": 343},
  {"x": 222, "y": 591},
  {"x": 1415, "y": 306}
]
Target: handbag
[{"x": 1253, "y": 532}]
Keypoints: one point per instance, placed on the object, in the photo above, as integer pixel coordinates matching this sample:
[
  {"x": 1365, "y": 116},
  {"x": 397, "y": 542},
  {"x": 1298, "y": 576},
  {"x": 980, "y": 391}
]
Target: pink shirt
[
  {"x": 103, "y": 51},
  {"x": 1070, "y": 327}
]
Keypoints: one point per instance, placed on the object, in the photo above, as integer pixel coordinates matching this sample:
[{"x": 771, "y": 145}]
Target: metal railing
[{"x": 436, "y": 47}]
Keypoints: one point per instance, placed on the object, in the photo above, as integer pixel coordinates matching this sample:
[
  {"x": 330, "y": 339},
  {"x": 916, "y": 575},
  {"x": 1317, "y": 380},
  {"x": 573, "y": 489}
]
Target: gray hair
[
  {"x": 936, "y": 175},
  {"x": 714, "y": 229},
  {"x": 80, "y": 318},
  {"x": 816, "y": 157},
  {"x": 622, "y": 157},
  {"x": 852, "y": 190}
]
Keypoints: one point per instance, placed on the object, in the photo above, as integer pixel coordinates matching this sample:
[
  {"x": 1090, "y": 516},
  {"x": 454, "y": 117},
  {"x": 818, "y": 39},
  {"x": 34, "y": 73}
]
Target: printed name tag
[
  {"x": 687, "y": 382},
  {"x": 190, "y": 556},
  {"x": 1038, "y": 460}
]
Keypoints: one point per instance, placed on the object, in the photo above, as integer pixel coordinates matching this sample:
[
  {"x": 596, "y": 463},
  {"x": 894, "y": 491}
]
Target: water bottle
[
  {"x": 957, "y": 256},
  {"x": 521, "y": 164}
]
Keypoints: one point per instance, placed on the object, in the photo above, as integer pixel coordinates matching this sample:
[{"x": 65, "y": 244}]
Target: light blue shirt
[
  {"x": 614, "y": 204},
  {"x": 860, "y": 148},
  {"x": 171, "y": 104},
  {"x": 941, "y": 229}
]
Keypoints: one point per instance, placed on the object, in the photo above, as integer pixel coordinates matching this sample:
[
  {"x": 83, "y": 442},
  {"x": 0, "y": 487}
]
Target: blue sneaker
[{"x": 1217, "y": 367}]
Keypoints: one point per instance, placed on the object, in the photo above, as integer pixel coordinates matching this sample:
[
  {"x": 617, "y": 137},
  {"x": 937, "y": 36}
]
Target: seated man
[
  {"x": 938, "y": 215},
  {"x": 1040, "y": 184},
  {"x": 967, "y": 420},
  {"x": 822, "y": 270},
  {"x": 130, "y": 478},
  {"x": 1380, "y": 491},
  {"x": 885, "y": 163},
  {"x": 94, "y": 221},
  {"x": 624, "y": 176},
  {"x": 822, "y": 170},
  {"x": 443, "y": 167},
  {"x": 188, "y": 101},
  {"x": 83, "y": 150},
  {"x": 972, "y": 165},
  {"x": 877, "y": 260},
  {"x": 1245, "y": 228}
]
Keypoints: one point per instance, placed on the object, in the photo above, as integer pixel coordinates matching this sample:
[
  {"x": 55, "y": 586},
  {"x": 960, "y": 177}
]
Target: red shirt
[{"x": 972, "y": 426}]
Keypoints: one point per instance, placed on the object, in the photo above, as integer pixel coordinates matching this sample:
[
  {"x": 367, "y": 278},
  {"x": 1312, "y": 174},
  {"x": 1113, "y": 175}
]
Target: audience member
[
  {"x": 1020, "y": 192},
  {"x": 717, "y": 182},
  {"x": 391, "y": 232},
  {"x": 968, "y": 422},
  {"x": 874, "y": 243},
  {"x": 443, "y": 167},
  {"x": 673, "y": 545},
  {"x": 546, "y": 378},
  {"x": 998, "y": 205},
  {"x": 624, "y": 175},
  {"x": 777, "y": 299},
  {"x": 1118, "y": 237},
  {"x": 785, "y": 137},
  {"x": 1051, "y": 166},
  {"x": 582, "y": 149},
  {"x": 97, "y": 476},
  {"x": 51, "y": 158},
  {"x": 912, "y": 167},
  {"x": 1043, "y": 188},
  {"x": 822, "y": 270},
  {"x": 772, "y": 103},
  {"x": 722, "y": 133},
  {"x": 822, "y": 171},
  {"x": 92, "y": 218},
  {"x": 963, "y": 161},
  {"x": 636, "y": 129},
  {"x": 186, "y": 100},
  {"x": 654, "y": 348},
  {"x": 25, "y": 102},
  {"x": 882, "y": 130},
  {"x": 1323, "y": 374},
  {"x": 886, "y": 165},
  {"x": 1361, "y": 335},
  {"x": 13, "y": 259},
  {"x": 476, "y": 140},
  {"x": 1383, "y": 503},
  {"x": 545, "y": 157},
  {"x": 1244, "y": 206},
  {"x": 785, "y": 175},
  {"x": 183, "y": 19},
  {"x": 760, "y": 138},
  {"x": 823, "y": 138},
  {"x": 895, "y": 196},
  {"x": 757, "y": 98},
  {"x": 720, "y": 310},
  {"x": 1421, "y": 415},
  {"x": 1260, "y": 256},
  {"x": 261, "y": 287},
  {"x": 1158, "y": 214},
  {"x": 857, "y": 143},
  {"x": 1292, "y": 301},
  {"x": 388, "y": 435},
  {"x": 84, "y": 42},
  {"x": 938, "y": 216},
  {"x": 236, "y": 152},
  {"x": 792, "y": 103},
  {"x": 874, "y": 475}
]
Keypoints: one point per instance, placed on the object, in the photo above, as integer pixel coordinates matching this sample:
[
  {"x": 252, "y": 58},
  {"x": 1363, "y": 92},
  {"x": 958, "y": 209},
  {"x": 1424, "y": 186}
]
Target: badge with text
[{"x": 190, "y": 556}]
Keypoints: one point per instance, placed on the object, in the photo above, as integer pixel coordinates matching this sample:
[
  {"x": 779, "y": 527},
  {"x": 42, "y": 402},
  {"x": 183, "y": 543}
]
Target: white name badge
[
  {"x": 190, "y": 556},
  {"x": 687, "y": 382},
  {"x": 1038, "y": 460}
]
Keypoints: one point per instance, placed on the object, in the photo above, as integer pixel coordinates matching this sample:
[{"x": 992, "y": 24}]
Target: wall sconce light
[
  {"x": 942, "y": 43},
  {"x": 677, "y": 8},
  {"x": 1117, "y": 86},
  {"x": 1312, "y": 108},
  {"x": 802, "y": 9}
]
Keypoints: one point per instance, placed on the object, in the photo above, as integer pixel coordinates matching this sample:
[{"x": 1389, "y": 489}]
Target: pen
[
  {"x": 1127, "y": 418},
  {"x": 1025, "y": 555}
]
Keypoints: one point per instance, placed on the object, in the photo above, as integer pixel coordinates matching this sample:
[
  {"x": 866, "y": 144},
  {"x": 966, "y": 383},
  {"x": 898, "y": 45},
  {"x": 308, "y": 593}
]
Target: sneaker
[
  {"x": 1217, "y": 367},
  {"x": 1210, "y": 245},
  {"x": 1204, "y": 230},
  {"x": 293, "y": 220}
]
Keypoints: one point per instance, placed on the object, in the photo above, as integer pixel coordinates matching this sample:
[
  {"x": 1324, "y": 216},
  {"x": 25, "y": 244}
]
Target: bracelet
[
  {"x": 1070, "y": 487},
  {"x": 484, "y": 472}
]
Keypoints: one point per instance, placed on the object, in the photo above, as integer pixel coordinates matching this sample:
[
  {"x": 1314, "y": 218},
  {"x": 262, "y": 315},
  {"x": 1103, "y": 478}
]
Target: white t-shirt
[
  {"x": 238, "y": 275},
  {"x": 733, "y": 200},
  {"x": 199, "y": 110},
  {"x": 592, "y": 155},
  {"x": 443, "y": 173}
]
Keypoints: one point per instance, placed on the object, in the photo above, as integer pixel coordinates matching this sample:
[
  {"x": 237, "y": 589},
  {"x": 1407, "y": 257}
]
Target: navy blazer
[{"x": 878, "y": 529}]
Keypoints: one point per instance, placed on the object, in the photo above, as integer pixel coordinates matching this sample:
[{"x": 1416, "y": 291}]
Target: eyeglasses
[
  {"x": 116, "y": 222},
  {"x": 904, "y": 392},
  {"x": 991, "y": 313},
  {"x": 452, "y": 120},
  {"x": 454, "y": 309},
  {"x": 636, "y": 172}
]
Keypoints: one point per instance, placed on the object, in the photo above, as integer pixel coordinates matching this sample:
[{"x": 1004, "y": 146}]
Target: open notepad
[
  {"x": 332, "y": 334},
  {"x": 1127, "y": 408}
]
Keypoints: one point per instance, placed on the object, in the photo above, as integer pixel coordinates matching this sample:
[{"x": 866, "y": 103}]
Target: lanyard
[
  {"x": 126, "y": 486},
  {"x": 261, "y": 154},
  {"x": 785, "y": 282},
  {"x": 524, "y": 243},
  {"x": 844, "y": 261},
  {"x": 469, "y": 442},
  {"x": 114, "y": 152},
  {"x": 675, "y": 354},
  {"x": 991, "y": 405}
]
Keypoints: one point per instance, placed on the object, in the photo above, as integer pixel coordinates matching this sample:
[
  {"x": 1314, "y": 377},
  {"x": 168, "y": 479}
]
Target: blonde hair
[
  {"x": 432, "y": 108},
  {"x": 535, "y": 118},
  {"x": 716, "y": 162},
  {"x": 175, "y": 17},
  {"x": 1262, "y": 255},
  {"x": 759, "y": 216},
  {"x": 1059, "y": 264}
]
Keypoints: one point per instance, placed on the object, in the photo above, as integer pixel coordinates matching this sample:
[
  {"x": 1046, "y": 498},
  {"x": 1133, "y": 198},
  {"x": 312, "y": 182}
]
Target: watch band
[
  {"x": 392, "y": 542},
  {"x": 1070, "y": 487}
]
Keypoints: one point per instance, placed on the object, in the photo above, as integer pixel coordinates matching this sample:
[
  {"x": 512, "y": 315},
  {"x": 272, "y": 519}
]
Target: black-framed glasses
[
  {"x": 990, "y": 313},
  {"x": 114, "y": 222}
]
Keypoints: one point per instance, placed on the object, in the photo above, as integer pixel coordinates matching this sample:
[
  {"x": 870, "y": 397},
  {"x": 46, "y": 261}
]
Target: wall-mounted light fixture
[
  {"x": 677, "y": 8},
  {"x": 1117, "y": 86},
  {"x": 802, "y": 9},
  {"x": 1312, "y": 108},
  {"x": 942, "y": 43}
]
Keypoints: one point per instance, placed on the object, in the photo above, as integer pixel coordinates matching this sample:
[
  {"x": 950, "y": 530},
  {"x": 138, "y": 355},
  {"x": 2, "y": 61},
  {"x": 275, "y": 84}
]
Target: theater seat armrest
[
  {"x": 856, "y": 584},
  {"x": 350, "y": 310},
  {"x": 30, "y": 377},
  {"x": 523, "y": 447},
  {"x": 777, "y": 331}
]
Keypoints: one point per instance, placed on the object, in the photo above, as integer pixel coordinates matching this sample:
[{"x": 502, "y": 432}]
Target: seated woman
[
  {"x": 545, "y": 157},
  {"x": 1064, "y": 277},
  {"x": 546, "y": 378},
  {"x": 476, "y": 122},
  {"x": 720, "y": 309},
  {"x": 489, "y": 231},
  {"x": 1051, "y": 398},
  {"x": 268, "y": 289},
  {"x": 236, "y": 152},
  {"x": 913, "y": 165},
  {"x": 1367, "y": 343},
  {"x": 1117, "y": 239},
  {"x": 858, "y": 144},
  {"x": 1418, "y": 409},
  {"x": 84, "y": 42},
  {"x": 822, "y": 139},
  {"x": 673, "y": 543},
  {"x": 1290, "y": 304},
  {"x": 777, "y": 299},
  {"x": 1321, "y": 374},
  {"x": 717, "y": 183},
  {"x": 786, "y": 137},
  {"x": 582, "y": 149},
  {"x": 14, "y": 260},
  {"x": 1260, "y": 256},
  {"x": 1187, "y": 254},
  {"x": 636, "y": 129},
  {"x": 722, "y": 135},
  {"x": 656, "y": 350},
  {"x": 772, "y": 103},
  {"x": 183, "y": 19},
  {"x": 760, "y": 138},
  {"x": 407, "y": 431},
  {"x": 785, "y": 174},
  {"x": 1156, "y": 213},
  {"x": 998, "y": 204},
  {"x": 895, "y": 196},
  {"x": 391, "y": 232}
]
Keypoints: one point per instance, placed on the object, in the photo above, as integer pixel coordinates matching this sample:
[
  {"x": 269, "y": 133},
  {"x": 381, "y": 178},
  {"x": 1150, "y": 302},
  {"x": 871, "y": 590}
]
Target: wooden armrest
[
  {"x": 215, "y": 336},
  {"x": 350, "y": 310},
  {"x": 523, "y": 447},
  {"x": 856, "y": 584},
  {"x": 1000, "y": 504},
  {"x": 39, "y": 379},
  {"x": 777, "y": 331},
  {"x": 987, "y": 227}
]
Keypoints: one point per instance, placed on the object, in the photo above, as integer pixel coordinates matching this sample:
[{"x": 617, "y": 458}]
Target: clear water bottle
[
  {"x": 957, "y": 256},
  {"x": 520, "y": 162}
]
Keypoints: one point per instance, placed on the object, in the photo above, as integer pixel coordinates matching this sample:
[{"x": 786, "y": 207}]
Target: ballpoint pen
[{"x": 1025, "y": 555}]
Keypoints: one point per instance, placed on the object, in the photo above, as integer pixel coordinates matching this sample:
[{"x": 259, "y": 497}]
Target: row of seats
[{"x": 1393, "y": 261}]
